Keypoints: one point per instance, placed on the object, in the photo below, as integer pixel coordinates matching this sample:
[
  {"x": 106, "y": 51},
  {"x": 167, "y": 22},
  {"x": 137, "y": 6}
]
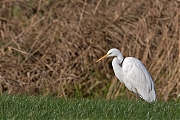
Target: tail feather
[{"x": 151, "y": 96}]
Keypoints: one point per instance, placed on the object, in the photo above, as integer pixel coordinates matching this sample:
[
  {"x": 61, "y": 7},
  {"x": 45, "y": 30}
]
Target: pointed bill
[{"x": 102, "y": 57}]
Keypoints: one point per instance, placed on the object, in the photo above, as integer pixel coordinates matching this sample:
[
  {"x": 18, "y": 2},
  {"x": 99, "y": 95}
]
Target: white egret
[{"x": 133, "y": 74}]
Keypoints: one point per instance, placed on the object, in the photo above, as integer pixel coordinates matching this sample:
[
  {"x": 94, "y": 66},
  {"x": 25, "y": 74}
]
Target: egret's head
[{"x": 111, "y": 53}]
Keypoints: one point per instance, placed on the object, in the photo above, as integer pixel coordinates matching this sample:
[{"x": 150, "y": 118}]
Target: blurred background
[{"x": 49, "y": 47}]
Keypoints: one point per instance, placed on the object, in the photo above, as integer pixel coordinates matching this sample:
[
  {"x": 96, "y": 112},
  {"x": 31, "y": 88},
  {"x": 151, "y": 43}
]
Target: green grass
[{"x": 46, "y": 108}]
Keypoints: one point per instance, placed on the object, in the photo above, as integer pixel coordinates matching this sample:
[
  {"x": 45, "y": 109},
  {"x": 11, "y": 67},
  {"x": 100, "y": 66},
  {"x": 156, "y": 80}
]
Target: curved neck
[
  {"x": 120, "y": 57},
  {"x": 117, "y": 68}
]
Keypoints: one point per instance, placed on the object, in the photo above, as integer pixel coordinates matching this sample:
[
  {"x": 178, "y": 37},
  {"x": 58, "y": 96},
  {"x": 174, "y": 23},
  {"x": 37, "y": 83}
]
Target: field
[
  {"x": 46, "y": 108},
  {"x": 49, "y": 48}
]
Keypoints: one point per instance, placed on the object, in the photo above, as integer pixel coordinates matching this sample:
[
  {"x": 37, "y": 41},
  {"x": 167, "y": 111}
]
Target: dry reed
[{"x": 50, "y": 47}]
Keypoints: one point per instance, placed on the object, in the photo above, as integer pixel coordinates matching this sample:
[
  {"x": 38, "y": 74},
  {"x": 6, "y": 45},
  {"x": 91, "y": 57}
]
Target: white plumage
[{"x": 133, "y": 74}]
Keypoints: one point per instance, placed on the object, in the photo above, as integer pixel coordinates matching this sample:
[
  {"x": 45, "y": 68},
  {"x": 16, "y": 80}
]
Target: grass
[{"x": 46, "y": 108}]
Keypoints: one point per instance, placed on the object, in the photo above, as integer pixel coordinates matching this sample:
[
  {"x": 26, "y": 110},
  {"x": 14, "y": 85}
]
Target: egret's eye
[{"x": 110, "y": 53}]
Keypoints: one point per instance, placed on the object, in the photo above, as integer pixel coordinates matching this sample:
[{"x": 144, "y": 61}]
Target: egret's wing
[{"x": 138, "y": 78}]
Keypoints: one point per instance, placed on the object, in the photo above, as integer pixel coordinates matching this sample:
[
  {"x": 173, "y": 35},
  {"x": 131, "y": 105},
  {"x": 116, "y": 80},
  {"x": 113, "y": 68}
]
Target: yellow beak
[{"x": 102, "y": 57}]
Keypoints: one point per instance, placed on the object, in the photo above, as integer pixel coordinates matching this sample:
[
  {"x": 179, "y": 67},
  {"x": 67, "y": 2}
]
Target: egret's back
[{"x": 138, "y": 79}]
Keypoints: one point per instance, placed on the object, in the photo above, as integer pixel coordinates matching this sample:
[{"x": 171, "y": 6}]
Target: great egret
[{"x": 133, "y": 74}]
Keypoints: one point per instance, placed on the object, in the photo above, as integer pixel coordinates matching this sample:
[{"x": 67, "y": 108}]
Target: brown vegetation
[{"x": 50, "y": 47}]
